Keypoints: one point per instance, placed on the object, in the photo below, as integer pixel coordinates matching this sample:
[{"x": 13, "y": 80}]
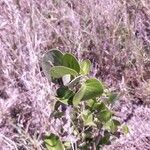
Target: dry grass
[{"x": 114, "y": 34}]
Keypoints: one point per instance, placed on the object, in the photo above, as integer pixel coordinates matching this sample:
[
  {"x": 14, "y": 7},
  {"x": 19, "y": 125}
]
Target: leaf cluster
[{"x": 93, "y": 121}]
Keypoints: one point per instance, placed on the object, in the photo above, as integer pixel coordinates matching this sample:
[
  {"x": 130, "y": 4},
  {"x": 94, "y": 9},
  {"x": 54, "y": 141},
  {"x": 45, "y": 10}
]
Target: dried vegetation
[{"x": 113, "y": 34}]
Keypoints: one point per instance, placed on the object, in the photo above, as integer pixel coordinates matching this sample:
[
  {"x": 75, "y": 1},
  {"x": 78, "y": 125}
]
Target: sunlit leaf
[
  {"x": 71, "y": 62},
  {"x": 53, "y": 142},
  {"x": 87, "y": 118},
  {"x": 125, "y": 129},
  {"x": 79, "y": 95},
  {"x": 111, "y": 125},
  {"x": 91, "y": 102},
  {"x": 67, "y": 144},
  {"x": 94, "y": 88},
  {"x": 85, "y": 66},
  {"x": 60, "y": 71}
]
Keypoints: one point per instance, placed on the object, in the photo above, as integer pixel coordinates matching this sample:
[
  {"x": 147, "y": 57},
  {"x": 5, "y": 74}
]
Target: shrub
[{"x": 92, "y": 118}]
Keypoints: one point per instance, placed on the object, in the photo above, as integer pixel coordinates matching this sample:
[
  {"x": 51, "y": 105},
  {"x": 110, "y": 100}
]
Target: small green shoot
[{"x": 92, "y": 117}]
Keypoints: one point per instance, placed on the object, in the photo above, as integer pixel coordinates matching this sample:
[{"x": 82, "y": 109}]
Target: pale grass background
[{"x": 113, "y": 34}]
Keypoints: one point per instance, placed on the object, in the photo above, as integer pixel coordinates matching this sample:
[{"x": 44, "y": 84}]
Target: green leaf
[
  {"x": 100, "y": 107},
  {"x": 71, "y": 62},
  {"x": 105, "y": 139},
  {"x": 64, "y": 94},
  {"x": 85, "y": 66},
  {"x": 74, "y": 82},
  {"x": 62, "y": 91},
  {"x": 105, "y": 116},
  {"x": 52, "y": 142},
  {"x": 60, "y": 71},
  {"x": 54, "y": 56},
  {"x": 87, "y": 118},
  {"x": 125, "y": 129},
  {"x": 50, "y": 59},
  {"x": 112, "y": 97},
  {"x": 79, "y": 95},
  {"x": 112, "y": 125},
  {"x": 91, "y": 102},
  {"x": 116, "y": 122},
  {"x": 94, "y": 88}
]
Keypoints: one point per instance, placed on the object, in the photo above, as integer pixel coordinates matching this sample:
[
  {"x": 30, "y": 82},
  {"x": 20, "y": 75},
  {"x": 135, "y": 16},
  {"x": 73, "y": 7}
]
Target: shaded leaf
[
  {"x": 100, "y": 107},
  {"x": 65, "y": 95},
  {"x": 60, "y": 71},
  {"x": 50, "y": 59},
  {"x": 61, "y": 92},
  {"x": 116, "y": 122},
  {"x": 58, "y": 114},
  {"x": 105, "y": 139},
  {"x": 71, "y": 62}
]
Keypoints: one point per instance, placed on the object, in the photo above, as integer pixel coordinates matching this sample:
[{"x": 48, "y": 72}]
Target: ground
[{"x": 113, "y": 34}]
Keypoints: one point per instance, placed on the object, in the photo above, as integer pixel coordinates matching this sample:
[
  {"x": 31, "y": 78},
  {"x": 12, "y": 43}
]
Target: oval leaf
[
  {"x": 71, "y": 62},
  {"x": 94, "y": 88},
  {"x": 60, "y": 71},
  {"x": 85, "y": 67},
  {"x": 50, "y": 59},
  {"x": 54, "y": 56}
]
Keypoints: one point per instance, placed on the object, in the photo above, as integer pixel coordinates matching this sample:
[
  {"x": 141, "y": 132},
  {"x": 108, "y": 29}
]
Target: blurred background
[{"x": 113, "y": 34}]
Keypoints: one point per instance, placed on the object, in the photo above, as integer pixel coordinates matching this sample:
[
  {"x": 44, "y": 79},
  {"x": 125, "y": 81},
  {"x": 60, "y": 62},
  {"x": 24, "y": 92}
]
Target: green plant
[{"x": 92, "y": 119}]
